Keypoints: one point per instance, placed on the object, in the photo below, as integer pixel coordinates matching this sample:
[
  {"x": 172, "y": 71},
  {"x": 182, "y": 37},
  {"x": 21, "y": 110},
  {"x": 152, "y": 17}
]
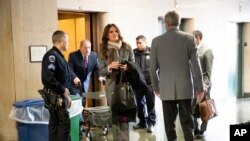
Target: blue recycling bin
[{"x": 32, "y": 120}]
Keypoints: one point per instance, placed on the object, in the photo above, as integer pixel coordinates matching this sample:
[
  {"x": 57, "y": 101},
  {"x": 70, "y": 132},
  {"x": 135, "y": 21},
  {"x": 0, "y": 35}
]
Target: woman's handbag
[
  {"x": 123, "y": 97},
  {"x": 207, "y": 109}
]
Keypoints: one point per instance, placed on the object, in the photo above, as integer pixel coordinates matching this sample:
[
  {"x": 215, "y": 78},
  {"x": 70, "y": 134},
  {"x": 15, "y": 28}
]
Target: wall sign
[{"x": 37, "y": 52}]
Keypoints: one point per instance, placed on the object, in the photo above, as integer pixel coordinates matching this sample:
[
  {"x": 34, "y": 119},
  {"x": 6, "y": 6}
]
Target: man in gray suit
[
  {"x": 206, "y": 61},
  {"x": 171, "y": 76}
]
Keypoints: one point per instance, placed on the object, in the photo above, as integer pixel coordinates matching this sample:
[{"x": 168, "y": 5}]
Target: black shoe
[
  {"x": 150, "y": 129},
  {"x": 196, "y": 132},
  {"x": 201, "y": 134},
  {"x": 140, "y": 126}
]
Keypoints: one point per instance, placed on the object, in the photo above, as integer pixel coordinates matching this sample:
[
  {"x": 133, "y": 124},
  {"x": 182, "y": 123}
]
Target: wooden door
[{"x": 74, "y": 24}]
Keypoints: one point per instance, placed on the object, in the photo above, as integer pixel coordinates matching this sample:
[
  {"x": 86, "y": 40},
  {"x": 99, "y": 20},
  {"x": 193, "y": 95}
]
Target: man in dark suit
[
  {"x": 206, "y": 61},
  {"x": 171, "y": 54},
  {"x": 83, "y": 62}
]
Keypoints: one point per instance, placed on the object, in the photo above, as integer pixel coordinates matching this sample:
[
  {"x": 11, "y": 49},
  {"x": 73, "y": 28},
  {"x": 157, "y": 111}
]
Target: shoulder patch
[
  {"x": 51, "y": 67},
  {"x": 52, "y": 58}
]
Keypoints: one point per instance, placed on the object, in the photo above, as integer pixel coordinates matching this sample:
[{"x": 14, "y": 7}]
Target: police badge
[{"x": 52, "y": 58}]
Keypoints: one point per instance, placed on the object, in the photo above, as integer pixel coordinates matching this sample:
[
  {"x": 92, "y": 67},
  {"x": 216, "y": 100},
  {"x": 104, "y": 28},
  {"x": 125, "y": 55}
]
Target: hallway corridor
[{"x": 231, "y": 111}]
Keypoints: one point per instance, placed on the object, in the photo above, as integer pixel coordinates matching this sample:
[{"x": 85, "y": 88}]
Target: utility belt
[{"x": 51, "y": 99}]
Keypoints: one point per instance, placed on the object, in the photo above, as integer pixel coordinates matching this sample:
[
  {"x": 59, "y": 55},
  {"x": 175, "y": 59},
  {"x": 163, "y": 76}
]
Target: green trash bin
[
  {"x": 74, "y": 128},
  {"x": 74, "y": 112}
]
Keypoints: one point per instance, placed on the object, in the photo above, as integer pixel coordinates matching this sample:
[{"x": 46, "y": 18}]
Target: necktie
[{"x": 85, "y": 62}]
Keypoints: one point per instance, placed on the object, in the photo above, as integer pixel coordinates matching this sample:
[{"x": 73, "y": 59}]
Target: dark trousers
[
  {"x": 146, "y": 106},
  {"x": 59, "y": 124},
  {"x": 170, "y": 111}
]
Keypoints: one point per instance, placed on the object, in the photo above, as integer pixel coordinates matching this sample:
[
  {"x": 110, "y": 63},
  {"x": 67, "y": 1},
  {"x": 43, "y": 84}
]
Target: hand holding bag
[{"x": 207, "y": 109}]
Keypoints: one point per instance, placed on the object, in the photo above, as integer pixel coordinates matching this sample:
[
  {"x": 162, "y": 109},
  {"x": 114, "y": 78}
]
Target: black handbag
[{"x": 123, "y": 97}]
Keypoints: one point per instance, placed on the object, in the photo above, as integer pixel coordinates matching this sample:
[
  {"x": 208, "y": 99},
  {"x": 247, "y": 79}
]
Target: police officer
[
  {"x": 57, "y": 78},
  {"x": 142, "y": 56}
]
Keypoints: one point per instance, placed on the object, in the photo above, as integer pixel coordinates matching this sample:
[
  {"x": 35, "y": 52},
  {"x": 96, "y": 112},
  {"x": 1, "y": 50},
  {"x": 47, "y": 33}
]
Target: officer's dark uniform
[
  {"x": 142, "y": 59},
  {"x": 56, "y": 76}
]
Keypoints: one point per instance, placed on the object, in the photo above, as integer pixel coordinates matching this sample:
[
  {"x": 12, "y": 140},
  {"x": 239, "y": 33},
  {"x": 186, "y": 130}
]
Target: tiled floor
[{"x": 230, "y": 111}]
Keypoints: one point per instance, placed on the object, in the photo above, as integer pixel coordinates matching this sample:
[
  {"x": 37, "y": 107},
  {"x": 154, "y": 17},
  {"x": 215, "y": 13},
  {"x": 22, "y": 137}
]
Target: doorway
[
  {"x": 187, "y": 25},
  {"x": 240, "y": 79},
  {"x": 244, "y": 91},
  {"x": 77, "y": 26},
  {"x": 80, "y": 26}
]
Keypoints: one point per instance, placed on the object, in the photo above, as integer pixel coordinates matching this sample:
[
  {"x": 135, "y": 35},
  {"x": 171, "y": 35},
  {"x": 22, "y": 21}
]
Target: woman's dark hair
[{"x": 104, "y": 45}]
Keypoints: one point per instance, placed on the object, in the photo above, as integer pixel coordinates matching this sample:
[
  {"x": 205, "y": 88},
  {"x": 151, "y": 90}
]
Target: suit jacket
[
  {"x": 171, "y": 54},
  {"x": 206, "y": 61},
  {"x": 76, "y": 64}
]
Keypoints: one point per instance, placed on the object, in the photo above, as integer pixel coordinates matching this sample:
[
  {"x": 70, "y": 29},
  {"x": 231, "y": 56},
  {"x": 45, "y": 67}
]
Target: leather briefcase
[{"x": 207, "y": 109}]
